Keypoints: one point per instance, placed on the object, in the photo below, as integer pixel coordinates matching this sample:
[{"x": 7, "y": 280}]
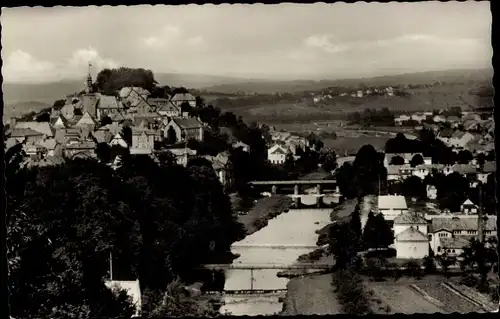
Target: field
[{"x": 351, "y": 145}]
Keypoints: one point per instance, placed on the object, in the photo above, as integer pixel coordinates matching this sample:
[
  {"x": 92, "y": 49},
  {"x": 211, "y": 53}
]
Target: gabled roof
[
  {"x": 454, "y": 243},
  {"x": 167, "y": 107},
  {"x": 411, "y": 234},
  {"x": 468, "y": 202},
  {"x": 187, "y": 123},
  {"x": 117, "y": 117},
  {"x": 179, "y": 97},
  {"x": 89, "y": 101},
  {"x": 462, "y": 223},
  {"x": 126, "y": 91},
  {"x": 490, "y": 167},
  {"x": 409, "y": 218},
  {"x": 60, "y": 122},
  {"x": 392, "y": 202},
  {"x": 109, "y": 102},
  {"x": 23, "y": 132},
  {"x": 42, "y": 127},
  {"x": 102, "y": 136},
  {"x": 464, "y": 168},
  {"x": 86, "y": 119}
]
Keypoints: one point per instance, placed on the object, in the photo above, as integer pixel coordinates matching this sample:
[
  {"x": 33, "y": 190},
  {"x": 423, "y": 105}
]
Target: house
[
  {"x": 454, "y": 227},
  {"x": 167, "y": 108},
  {"x": 488, "y": 168},
  {"x": 359, "y": 93},
  {"x": 407, "y": 157},
  {"x": 393, "y": 173},
  {"x": 418, "y": 117},
  {"x": 222, "y": 168},
  {"x": 182, "y": 155},
  {"x": 421, "y": 171},
  {"x": 411, "y": 244},
  {"x": 439, "y": 119},
  {"x": 180, "y": 98},
  {"x": 87, "y": 121},
  {"x": 389, "y": 91},
  {"x": 401, "y": 119},
  {"x": 431, "y": 192},
  {"x": 118, "y": 140},
  {"x": 60, "y": 122},
  {"x": 468, "y": 208},
  {"x": 445, "y": 135},
  {"x": 407, "y": 220},
  {"x": 276, "y": 154},
  {"x": 50, "y": 145},
  {"x": 244, "y": 147},
  {"x": 460, "y": 139},
  {"x": 391, "y": 206},
  {"x": 103, "y": 135},
  {"x": 132, "y": 96},
  {"x": 108, "y": 105},
  {"x": 42, "y": 127},
  {"x": 183, "y": 129},
  {"x": 280, "y": 136},
  {"x": 89, "y": 103},
  {"x": 132, "y": 288},
  {"x": 142, "y": 141},
  {"x": 82, "y": 149},
  {"x": 26, "y": 135},
  {"x": 464, "y": 169},
  {"x": 452, "y": 119}
]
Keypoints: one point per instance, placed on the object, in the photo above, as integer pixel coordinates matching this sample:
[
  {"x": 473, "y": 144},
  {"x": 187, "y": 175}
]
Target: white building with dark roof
[
  {"x": 391, "y": 206},
  {"x": 410, "y": 219},
  {"x": 411, "y": 244}
]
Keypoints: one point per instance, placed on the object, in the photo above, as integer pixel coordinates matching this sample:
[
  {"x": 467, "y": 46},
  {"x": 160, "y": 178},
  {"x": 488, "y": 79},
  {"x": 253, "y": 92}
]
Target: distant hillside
[
  {"x": 267, "y": 87},
  {"x": 22, "y": 108},
  {"x": 197, "y": 81}
]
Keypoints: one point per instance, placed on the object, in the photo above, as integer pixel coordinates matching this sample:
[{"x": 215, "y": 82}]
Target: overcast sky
[{"x": 266, "y": 41}]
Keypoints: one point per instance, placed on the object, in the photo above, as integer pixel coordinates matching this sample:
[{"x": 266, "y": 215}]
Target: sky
[{"x": 285, "y": 41}]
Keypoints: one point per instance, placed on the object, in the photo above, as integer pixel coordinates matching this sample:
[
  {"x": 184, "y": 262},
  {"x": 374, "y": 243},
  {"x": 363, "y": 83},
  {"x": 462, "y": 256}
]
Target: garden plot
[
  {"x": 402, "y": 299},
  {"x": 452, "y": 301}
]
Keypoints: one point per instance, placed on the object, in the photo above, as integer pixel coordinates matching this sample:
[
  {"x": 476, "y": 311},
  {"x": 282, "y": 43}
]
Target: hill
[
  {"x": 269, "y": 87},
  {"x": 22, "y": 108}
]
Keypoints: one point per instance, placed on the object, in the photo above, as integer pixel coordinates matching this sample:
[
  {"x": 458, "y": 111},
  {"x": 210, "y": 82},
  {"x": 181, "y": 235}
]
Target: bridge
[
  {"x": 243, "y": 279},
  {"x": 297, "y": 185}
]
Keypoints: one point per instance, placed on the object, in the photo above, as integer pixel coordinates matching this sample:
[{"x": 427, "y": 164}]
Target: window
[
  {"x": 456, "y": 232},
  {"x": 443, "y": 235},
  {"x": 471, "y": 232}
]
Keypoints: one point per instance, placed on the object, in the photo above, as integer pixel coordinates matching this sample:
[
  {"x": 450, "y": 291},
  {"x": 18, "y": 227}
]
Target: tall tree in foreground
[{"x": 377, "y": 233}]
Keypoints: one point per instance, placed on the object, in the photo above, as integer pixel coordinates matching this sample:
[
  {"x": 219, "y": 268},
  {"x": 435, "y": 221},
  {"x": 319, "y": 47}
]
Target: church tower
[{"x": 88, "y": 89}]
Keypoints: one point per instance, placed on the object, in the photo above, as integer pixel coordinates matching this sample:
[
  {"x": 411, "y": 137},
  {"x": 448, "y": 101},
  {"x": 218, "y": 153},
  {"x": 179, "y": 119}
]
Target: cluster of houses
[
  {"x": 470, "y": 131},
  {"x": 416, "y": 234},
  {"x": 91, "y": 118},
  {"x": 474, "y": 172},
  {"x": 283, "y": 144},
  {"x": 388, "y": 91}
]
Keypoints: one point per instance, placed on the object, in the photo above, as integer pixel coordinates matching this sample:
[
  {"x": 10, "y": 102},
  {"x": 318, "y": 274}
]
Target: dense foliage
[
  {"x": 109, "y": 81},
  {"x": 158, "y": 220},
  {"x": 372, "y": 117}
]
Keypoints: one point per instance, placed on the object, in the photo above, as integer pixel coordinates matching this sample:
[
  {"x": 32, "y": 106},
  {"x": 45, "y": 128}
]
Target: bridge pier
[
  {"x": 296, "y": 199},
  {"x": 318, "y": 199}
]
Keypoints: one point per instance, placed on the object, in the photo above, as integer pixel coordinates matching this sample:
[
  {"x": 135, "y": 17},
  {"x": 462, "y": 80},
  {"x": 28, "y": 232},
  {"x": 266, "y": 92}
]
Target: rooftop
[
  {"x": 188, "y": 123},
  {"x": 460, "y": 223},
  {"x": 410, "y": 218},
  {"x": 411, "y": 234},
  {"x": 458, "y": 242},
  {"x": 392, "y": 202}
]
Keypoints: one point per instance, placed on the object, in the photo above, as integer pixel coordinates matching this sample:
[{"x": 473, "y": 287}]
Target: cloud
[
  {"x": 325, "y": 43},
  {"x": 21, "y": 66},
  {"x": 171, "y": 37}
]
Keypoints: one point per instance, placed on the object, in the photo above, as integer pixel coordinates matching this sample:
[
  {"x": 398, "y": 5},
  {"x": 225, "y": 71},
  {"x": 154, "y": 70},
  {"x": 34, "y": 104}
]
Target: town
[{"x": 330, "y": 159}]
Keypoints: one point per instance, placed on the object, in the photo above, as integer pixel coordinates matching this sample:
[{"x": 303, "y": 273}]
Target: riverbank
[{"x": 263, "y": 210}]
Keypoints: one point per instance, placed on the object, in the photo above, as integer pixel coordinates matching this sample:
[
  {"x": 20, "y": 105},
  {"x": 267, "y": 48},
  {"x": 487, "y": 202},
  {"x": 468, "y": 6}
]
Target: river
[{"x": 273, "y": 244}]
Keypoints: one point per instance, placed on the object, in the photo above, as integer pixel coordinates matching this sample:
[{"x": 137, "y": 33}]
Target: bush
[
  {"x": 429, "y": 265},
  {"x": 385, "y": 253},
  {"x": 412, "y": 269}
]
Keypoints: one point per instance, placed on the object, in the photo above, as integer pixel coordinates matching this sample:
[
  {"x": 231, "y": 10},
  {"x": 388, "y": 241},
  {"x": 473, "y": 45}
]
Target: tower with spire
[{"x": 88, "y": 89}]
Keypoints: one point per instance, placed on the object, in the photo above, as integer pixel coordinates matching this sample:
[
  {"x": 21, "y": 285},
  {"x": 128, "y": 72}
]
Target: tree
[
  {"x": 109, "y": 81},
  {"x": 414, "y": 187},
  {"x": 77, "y": 112},
  {"x": 127, "y": 135},
  {"x": 377, "y": 233},
  {"x": 43, "y": 117},
  {"x": 58, "y": 104},
  {"x": 480, "y": 257},
  {"x": 429, "y": 265},
  {"x": 328, "y": 160},
  {"x": 445, "y": 261},
  {"x": 464, "y": 157},
  {"x": 397, "y": 160},
  {"x": 103, "y": 152},
  {"x": 369, "y": 171},
  {"x": 413, "y": 268},
  {"x": 345, "y": 176},
  {"x": 416, "y": 160},
  {"x": 106, "y": 120}
]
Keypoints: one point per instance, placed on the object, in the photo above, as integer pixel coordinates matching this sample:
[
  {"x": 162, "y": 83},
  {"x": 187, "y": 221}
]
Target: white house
[
  {"x": 391, "y": 206},
  {"x": 411, "y": 244},
  {"x": 182, "y": 155},
  {"x": 401, "y": 119},
  {"x": 407, "y": 220},
  {"x": 277, "y": 154},
  {"x": 118, "y": 140},
  {"x": 421, "y": 171},
  {"x": 431, "y": 192},
  {"x": 468, "y": 208}
]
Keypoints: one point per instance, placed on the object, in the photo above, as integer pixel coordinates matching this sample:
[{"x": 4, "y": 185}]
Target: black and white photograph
[{"x": 249, "y": 159}]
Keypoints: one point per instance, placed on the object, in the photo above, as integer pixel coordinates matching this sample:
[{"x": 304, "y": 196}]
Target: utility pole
[
  {"x": 110, "y": 265},
  {"x": 480, "y": 221}
]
